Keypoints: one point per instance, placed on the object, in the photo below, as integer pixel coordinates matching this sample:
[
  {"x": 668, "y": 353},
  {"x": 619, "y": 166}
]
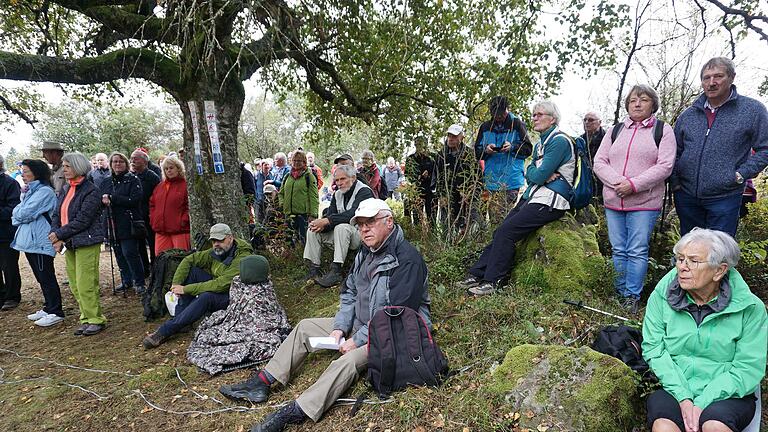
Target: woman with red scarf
[
  {"x": 299, "y": 197},
  {"x": 371, "y": 176},
  {"x": 169, "y": 208}
]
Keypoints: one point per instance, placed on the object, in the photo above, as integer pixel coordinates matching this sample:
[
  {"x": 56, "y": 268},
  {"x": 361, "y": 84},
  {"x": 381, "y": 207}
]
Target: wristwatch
[{"x": 739, "y": 178}]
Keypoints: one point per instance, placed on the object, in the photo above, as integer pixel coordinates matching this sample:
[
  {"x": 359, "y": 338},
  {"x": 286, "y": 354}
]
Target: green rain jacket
[
  {"x": 222, "y": 271},
  {"x": 722, "y": 358}
]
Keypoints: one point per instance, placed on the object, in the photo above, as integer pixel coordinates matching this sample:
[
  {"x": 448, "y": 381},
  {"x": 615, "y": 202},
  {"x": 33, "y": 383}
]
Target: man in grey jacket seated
[
  {"x": 335, "y": 228},
  {"x": 388, "y": 271}
]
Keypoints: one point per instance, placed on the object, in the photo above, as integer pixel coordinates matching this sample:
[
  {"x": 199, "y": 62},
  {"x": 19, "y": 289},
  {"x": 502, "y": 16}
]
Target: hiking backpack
[
  {"x": 580, "y": 194},
  {"x": 160, "y": 280},
  {"x": 624, "y": 343},
  {"x": 401, "y": 351},
  {"x": 658, "y": 131}
]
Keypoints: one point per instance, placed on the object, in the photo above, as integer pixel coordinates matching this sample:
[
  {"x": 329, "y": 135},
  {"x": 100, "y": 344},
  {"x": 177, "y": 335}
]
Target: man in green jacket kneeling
[{"x": 202, "y": 281}]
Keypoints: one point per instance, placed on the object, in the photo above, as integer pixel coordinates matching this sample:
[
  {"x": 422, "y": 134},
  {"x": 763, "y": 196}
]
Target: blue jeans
[
  {"x": 191, "y": 308},
  {"x": 129, "y": 262},
  {"x": 629, "y": 233},
  {"x": 720, "y": 214}
]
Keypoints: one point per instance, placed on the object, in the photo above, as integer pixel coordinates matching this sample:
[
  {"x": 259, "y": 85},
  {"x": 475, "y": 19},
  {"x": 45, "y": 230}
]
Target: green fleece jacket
[
  {"x": 722, "y": 358},
  {"x": 299, "y": 196},
  {"x": 222, "y": 273}
]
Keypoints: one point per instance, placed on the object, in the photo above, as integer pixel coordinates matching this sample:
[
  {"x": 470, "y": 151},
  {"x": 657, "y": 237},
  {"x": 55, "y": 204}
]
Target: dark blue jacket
[
  {"x": 708, "y": 158},
  {"x": 126, "y": 194},
  {"x": 259, "y": 180},
  {"x": 149, "y": 181},
  {"x": 10, "y": 193},
  {"x": 503, "y": 170},
  {"x": 84, "y": 213}
]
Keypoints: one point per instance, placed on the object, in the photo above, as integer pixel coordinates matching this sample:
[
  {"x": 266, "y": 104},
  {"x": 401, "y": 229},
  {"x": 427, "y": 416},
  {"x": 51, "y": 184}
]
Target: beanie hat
[{"x": 254, "y": 269}]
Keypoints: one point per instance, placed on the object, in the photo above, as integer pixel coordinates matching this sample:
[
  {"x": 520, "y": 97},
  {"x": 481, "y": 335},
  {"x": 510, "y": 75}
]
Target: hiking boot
[
  {"x": 9, "y": 304},
  {"x": 313, "y": 271},
  {"x": 79, "y": 330},
  {"x": 254, "y": 389},
  {"x": 37, "y": 315},
  {"x": 631, "y": 304},
  {"x": 49, "y": 320},
  {"x": 92, "y": 329},
  {"x": 153, "y": 340},
  {"x": 278, "y": 420},
  {"x": 140, "y": 289},
  {"x": 470, "y": 282},
  {"x": 333, "y": 277},
  {"x": 483, "y": 288},
  {"x": 122, "y": 288}
]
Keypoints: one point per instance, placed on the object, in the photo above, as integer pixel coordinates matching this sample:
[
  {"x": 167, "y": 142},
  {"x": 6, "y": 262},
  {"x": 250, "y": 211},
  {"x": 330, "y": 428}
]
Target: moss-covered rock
[
  {"x": 567, "y": 389},
  {"x": 561, "y": 257}
]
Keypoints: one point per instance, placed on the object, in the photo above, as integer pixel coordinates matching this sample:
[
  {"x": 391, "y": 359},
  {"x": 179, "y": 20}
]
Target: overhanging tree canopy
[{"x": 407, "y": 64}]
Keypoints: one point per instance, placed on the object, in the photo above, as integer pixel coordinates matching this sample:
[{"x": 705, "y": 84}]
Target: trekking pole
[
  {"x": 111, "y": 239},
  {"x": 580, "y": 304}
]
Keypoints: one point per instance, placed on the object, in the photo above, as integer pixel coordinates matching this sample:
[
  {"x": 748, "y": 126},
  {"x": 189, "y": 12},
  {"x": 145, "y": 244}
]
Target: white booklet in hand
[{"x": 325, "y": 342}]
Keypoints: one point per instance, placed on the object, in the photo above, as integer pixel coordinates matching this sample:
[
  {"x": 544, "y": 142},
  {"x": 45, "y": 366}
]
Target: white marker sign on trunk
[
  {"x": 213, "y": 133},
  {"x": 196, "y": 135}
]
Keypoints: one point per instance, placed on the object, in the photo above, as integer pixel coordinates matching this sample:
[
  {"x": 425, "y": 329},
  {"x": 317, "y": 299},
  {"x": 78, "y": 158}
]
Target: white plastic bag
[{"x": 170, "y": 302}]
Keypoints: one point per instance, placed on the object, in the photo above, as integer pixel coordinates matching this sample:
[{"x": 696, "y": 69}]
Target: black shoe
[
  {"x": 276, "y": 422},
  {"x": 122, "y": 288},
  {"x": 470, "y": 282},
  {"x": 333, "y": 277},
  {"x": 9, "y": 305},
  {"x": 631, "y": 304},
  {"x": 313, "y": 271},
  {"x": 254, "y": 389},
  {"x": 153, "y": 340}
]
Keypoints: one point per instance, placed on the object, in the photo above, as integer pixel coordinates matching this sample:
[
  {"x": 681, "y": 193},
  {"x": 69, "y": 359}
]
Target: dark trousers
[
  {"x": 42, "y": 268},
  {"x": 191, "y": 308},
  {"x": 299, "y": 225},
  {"x": 495, "y": 262},
  {"x": 147, "y": 259},
  {"x": 736, "y": 413},
  {"x": 720, "y": 214},
  {"x": 413, "y": 206},
  {"x": 10, "y": 285},
  {"x": 127, "y": 256}
]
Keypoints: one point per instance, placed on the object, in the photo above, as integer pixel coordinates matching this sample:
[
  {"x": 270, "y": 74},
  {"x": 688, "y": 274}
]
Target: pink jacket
[{"x": 634, "y": 157}]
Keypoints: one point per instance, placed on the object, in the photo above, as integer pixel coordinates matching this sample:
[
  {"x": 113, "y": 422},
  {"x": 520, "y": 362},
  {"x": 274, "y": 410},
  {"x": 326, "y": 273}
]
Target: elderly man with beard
[
  {"x": 334, "y": 228},
  {"x": 202, "y": 281},
  {"x": 388, "y": 271}
]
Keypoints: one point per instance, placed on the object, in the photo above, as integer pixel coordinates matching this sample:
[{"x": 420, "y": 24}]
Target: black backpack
[
  {"x": 160, "y": 279},
  {"x": 401, "y": 351},
  {"x": 658, "y": 131},
  {"x": 624, "y": 343}
]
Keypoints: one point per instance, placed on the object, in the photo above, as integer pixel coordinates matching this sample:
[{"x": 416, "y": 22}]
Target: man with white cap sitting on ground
[
  {"x": 202, "y": 281},
  {"x": 388, "y": 271}
]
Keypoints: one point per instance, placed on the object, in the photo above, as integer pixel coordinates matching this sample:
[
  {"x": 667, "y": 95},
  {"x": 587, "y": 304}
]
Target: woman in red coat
[{"x": 169, "y": 208}]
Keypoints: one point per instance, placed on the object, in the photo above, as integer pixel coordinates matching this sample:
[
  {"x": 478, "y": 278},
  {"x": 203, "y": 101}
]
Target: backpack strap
[
  {"x": 658, "y": 132},
  {"x": 387, "y": 356},
  {"x": 616, "y": 130},
  {"x": 412, "y": 329},
  {"x": 47, "y": 216}
]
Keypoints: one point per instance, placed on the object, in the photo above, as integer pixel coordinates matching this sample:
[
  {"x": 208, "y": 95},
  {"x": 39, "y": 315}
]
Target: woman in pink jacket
[{"x": 633, "y": 169}]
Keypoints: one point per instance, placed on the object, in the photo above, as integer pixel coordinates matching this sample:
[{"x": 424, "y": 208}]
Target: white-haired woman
[
  {"x": 75, "y": 224},
  {"x": 705, "y": 337},
  {"x": 393, "y": 176},
  {"x": 169, "y": 208},
  {"x": 549, "y": 178}
]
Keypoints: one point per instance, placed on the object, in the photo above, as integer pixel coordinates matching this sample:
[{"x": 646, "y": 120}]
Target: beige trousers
[
  {"x": 337, "y": 378},
  {"x": 343, "y": 238}
]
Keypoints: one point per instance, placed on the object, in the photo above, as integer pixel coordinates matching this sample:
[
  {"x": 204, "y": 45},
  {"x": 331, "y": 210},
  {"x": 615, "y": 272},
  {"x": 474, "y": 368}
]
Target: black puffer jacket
[
  {"x": 10, "y": 192},
  {"x": 126, "y": 194},
  {"x": 84, "y": 212}
]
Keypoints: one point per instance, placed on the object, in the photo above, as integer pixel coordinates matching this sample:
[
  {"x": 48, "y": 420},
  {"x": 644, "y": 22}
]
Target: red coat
[{"x": 169, "y": 207}]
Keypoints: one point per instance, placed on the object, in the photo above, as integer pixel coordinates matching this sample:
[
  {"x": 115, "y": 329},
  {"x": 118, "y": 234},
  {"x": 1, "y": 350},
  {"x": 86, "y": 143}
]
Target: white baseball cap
[
  {"x": 369, "y": 208},
  {"x": 456, "y": 129}
]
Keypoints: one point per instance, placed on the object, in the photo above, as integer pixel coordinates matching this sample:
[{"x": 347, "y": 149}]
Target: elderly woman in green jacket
[
  {"x": 298, "y": 196},
  {"x": 705, "y": 337}
]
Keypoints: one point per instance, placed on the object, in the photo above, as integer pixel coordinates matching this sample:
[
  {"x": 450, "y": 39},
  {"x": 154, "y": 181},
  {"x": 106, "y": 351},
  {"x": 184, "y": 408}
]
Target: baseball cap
[
  {"x": 343, "y": 156},
  {"x": 219, "y": 231},
  {"x": 369, "y": 208},
  {"x": 456, "y": 129}
]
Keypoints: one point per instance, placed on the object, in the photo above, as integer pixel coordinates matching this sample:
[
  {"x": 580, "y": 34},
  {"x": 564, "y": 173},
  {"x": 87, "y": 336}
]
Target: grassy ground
[{"x": 39, "y": 391}]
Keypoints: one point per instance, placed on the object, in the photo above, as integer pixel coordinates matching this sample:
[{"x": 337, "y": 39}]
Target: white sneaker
[
  {"x": 37, "y": 315},
  {"x": 49, "y": 320}
]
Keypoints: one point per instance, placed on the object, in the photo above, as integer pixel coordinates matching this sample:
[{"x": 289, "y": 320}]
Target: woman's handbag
[{"x": 138, "y": 229}]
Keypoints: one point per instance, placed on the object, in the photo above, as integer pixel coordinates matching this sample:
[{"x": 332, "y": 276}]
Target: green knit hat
[{"x": 254, "y": 269}]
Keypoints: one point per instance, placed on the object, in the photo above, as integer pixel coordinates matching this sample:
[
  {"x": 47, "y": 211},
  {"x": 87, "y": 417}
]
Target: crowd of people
[{"x": 705, "y": 335}]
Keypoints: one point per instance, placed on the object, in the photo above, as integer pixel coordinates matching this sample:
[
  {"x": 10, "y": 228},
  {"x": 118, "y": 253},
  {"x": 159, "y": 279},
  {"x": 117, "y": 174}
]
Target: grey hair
[
  {"x": 724, "y": 62},
  {"x": 281, "y": 155},
  {"x": 390, "y": 159},
  {"x": 140, "y": 154},
  {"x": 550, "y": 108},
  {"x": 643, "y": 90},
  {"x": 2, "y": 163},
  {"x": 349, "y": 170},
  {"x": 79, "y": 163},
  {"x": 368, "y": 153},
  {"x": 723, "y": 249}
]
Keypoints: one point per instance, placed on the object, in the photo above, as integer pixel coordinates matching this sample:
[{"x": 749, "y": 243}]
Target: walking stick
[
  {"x": 580, "y": 304},
  {"x": 111, "y": 240}
]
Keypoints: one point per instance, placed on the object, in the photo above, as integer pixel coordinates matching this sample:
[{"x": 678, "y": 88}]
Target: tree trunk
[{"x": 214, "y": 197}]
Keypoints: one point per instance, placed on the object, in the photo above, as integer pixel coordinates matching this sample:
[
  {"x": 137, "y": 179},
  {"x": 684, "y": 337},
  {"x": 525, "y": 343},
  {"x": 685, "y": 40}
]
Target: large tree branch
[
  {"x": 748, "y": 18},
  {"x": 17, "y": 111},
  {"x": 122, "y": 64}
]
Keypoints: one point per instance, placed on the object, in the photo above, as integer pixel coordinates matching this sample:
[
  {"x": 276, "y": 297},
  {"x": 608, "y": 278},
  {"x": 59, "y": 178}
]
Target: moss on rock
[
  {"x": 561, "y": 257},
  {"x": 567, "y": 389}
]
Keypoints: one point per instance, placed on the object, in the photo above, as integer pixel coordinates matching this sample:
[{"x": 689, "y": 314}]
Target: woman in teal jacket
[
  {"x": 32, "y": 217},
  {"x": 705, "y": 337}
]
